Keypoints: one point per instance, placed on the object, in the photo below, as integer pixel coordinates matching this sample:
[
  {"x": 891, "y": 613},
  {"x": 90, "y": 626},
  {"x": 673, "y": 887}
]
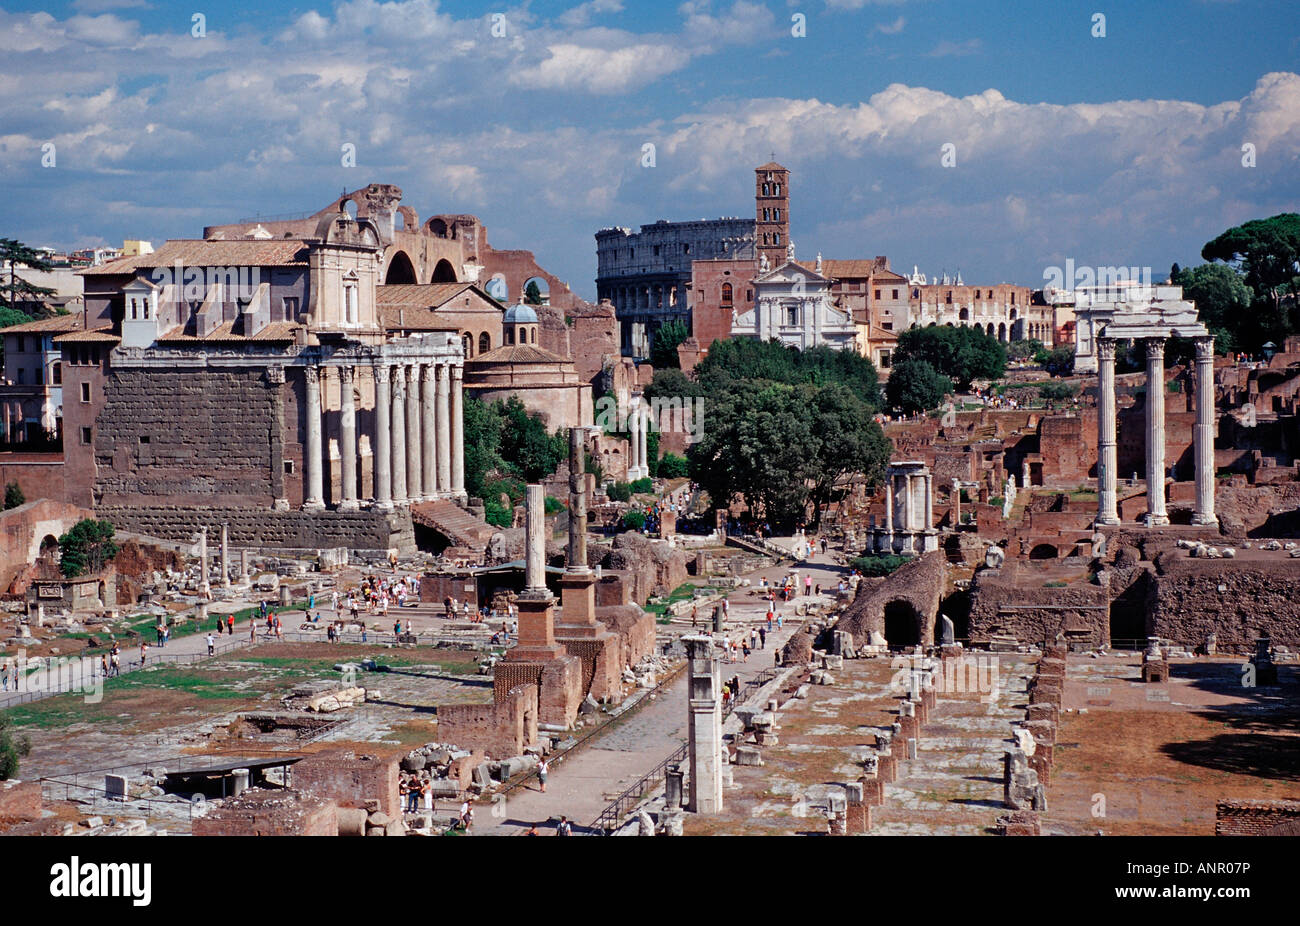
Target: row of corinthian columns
[{"x": 418, "y": 440}]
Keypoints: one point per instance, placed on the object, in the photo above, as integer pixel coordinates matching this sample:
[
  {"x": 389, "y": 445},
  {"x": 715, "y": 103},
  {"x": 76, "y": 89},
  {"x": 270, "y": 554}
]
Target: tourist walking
[
  {"x": 144, "y": 653},
  {"x": 212, "y": 645},
  {"x": 762, "y": 636},
  {"x": 230, "y": 625},
  {"x": 103, "y": 668},
  {"x": 252, "y": 630},
  {"x": 564, "y": 827},
  {"x": 542, "y": 769}
]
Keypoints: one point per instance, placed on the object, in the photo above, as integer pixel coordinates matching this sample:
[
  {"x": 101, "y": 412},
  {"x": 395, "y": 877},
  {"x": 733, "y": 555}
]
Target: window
[
  {"x": 948, "y": 298},
  {"x": 726, "y": 294},
  {"x": 144, "y": 438},
  {"x": 22, "y": 376},
  {"x": 776, "y": 237},
  {"x": 766, "y": 190},
  {"x": 884, "y": 359},
  {"x": 22, "y": 344},
  {"x": 484, "y": 343},
  {"x": 290, "y": 308},
  {"x": 85, "y": 435},
  {"x": 895, "y": 296},
  {"x": 792, "y": 315},
  {"x": 749, "y": 295},
  {"x": 656, "y": 250},
  {"x": 888, "y": 326},
  {"x": 56, "y": 372},
  {"x": 776, "y": 189},
  {"x": 877, "y": 294},
  {"x": 85, "y": 392},
  {"x": 688, "y": 248},
  {"x": 776, "y": 215},
  {"x": 288, "y": 467}
]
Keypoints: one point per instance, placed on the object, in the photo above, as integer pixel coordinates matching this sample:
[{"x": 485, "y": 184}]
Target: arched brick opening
[
  {"x": 443, "y": 272},
  {"x": 902, "y": 624},
  {"x": 1044, "y": 551},
  {"x": 400, "y": 269}
]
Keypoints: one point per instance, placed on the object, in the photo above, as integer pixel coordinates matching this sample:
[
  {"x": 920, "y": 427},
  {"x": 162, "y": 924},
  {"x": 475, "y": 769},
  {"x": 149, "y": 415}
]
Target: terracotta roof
[
  {"x": 518, "y": 353},
  {"x": 53, "y": 323},
  {"x": 276, "y": 331},
  {"x": 771, "y": 165},
  {"x": 422, "y": 295},
  {"x": 246, "y": 252},
  {"x": 102, "y": 335}
]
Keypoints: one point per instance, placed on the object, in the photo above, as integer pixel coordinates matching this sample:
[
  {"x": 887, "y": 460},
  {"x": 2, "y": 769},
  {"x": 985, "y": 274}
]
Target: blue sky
[{"x": 1122, "y": 149}]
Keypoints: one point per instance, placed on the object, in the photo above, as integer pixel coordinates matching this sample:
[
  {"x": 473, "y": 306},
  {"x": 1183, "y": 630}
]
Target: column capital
[
  {"x": 312, "y": 374},
  {"x": 457, "y": 372},
  {"x": 412, "y": 372},
  {"x": 383, "y": 374},
  {"x": 1155, "y": 348},
  {"x": 1204, "y": 349},
  {"x": 345, "y": 374},
  {"x": 399, "y": 387},
  {"x": 1106, "y": 349},
  {"x": 428, "y": 373}
]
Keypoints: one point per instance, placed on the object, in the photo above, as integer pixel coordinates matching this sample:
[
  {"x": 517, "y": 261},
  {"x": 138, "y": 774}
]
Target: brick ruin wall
[
  {"x": 919, "y": 583},
  {"x": 364, "y": 530},
  {"x": 200, "y": 437},
  {"x": 350, "y": 780},
  {"x": 1185, "y": 602},
  {"x": 1257, "y": 818},
  {"x": 1012, "y": 601},
  {"x": 503, "y": 727},
  {"x": 270, "y": 813}
]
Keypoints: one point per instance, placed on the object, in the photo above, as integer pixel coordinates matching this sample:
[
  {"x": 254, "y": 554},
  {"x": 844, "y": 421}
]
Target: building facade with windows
[{"x": 31, "y": 397}]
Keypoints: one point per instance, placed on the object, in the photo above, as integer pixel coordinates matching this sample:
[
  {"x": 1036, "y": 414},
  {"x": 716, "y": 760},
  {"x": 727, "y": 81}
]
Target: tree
[
  {"x": 482, "y": 428},
  {"x": 11, "y": 750},
  {"x": 18, "y": 255},
  {"x": 532, "y": 293},
  {"x": 634, "y": 520},
  {"x": 1059, "y": 361},
  {"x": 1223, "y": 303},
  {"x": 735, "y": 360},
  {"x": 1267, "y": 252},
  {"x": 525, "y": 443},
  {"x": 1058, "y": 392},
  {"x": 1024, "y": 349},
  {"x": 14, "y": 496},
  {"x": 915, "y": 386},
  {"x": 963, "y": 353},
  {"x": 671, "y": 383},
  {"x": 847, "y": 442},
  {"x": 86, "y": 547},
  {"x": 672, "y": 466},
  {"x": 670, "y": 334}
]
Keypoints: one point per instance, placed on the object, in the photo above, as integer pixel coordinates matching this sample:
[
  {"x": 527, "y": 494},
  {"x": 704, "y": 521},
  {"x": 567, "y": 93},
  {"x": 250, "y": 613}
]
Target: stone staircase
[{"x": 453, "y": 522}]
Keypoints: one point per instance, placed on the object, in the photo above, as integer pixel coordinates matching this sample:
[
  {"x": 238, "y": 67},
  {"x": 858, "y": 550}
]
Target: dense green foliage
[
  {"x": 739, "y": 360},
  {"x": 663, "y": 355},
  {"x": 672, "y": 383},
  {"x": 1024, "y": 349},
  {"x": 619, "y": 491},
  {"x": 1058, "y": 392},
  {"x": 671, "y": 466},
  {"x": 532, "y": 293},
  {"x": 13, "y": 288},
  {"x": 633, "y": 520},
  {"x": 14, "y": 496},
  {"x": 86, "y": 547},
  {"x": 873, "y": 566},
  {"x": 1264, "y": 255},
  {"x": 506, "y": 447},
  {"x": 1059, "y": 361},
  {"x": 963, "y": 353},
  {"x": 914, "y": 385},
  {"x": 11, "y": 750}
]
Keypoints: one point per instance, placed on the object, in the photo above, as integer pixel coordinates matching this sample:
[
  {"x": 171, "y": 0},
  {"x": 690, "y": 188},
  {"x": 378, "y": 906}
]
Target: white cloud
[
  {"x": 595, "y": 70},
  {"x": 950, "y": 49},
  {"x": 582, "y": 14},
  {"x": 891, "y": 28}
]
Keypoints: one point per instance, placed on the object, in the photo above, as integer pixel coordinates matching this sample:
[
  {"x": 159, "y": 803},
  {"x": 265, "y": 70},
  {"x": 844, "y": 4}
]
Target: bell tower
[{"x": 772, "y": 212}]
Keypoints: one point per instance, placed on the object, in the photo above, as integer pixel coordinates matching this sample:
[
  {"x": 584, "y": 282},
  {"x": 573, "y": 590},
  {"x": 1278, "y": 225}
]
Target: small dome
[{"x": 520, "y": 315}]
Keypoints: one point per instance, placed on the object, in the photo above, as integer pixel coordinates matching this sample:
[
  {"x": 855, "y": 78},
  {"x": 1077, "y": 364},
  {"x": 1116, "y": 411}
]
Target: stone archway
[
  {"x": 400, "y": 269},
  {"x": 444, "y": 272},
  {"x": 902, "y": 624},
  {"x": 1044, "y": 551}
]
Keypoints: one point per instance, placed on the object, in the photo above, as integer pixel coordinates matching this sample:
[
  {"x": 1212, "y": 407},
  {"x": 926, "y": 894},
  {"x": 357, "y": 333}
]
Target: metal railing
[
  {"x": 618, "y": 808},
  {"x": 750, "y": 686}
]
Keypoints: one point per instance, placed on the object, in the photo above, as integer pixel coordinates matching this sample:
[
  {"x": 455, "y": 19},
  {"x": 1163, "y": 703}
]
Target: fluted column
[
  {"x": 457, "y": 430},
  {"x": 1204, "y": 434},
  {"x": 313, "y": 453},
  {"x": 1107, "y": 462},
  {"x": 929, "y": 501},
  {"x": 429, "y": 429},
  {"x": 444, "y": 428},
  {"x": 347, "y": 439},
  {"x": 383, "y": 440},
  {"x": 632, "y": 443},
  {"x": 1156, "y": 515},
  {"x": 414, "y": 478},
  {"x": 889, "y": 504},
  {"x": 398, "y": 433},
  {"x": 643, "y": 453}
]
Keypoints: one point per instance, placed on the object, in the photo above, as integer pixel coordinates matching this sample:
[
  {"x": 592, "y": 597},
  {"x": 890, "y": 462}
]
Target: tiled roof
[
  {"x": 518, "y": 353},
  {"x": 244, "y": 252},
  {"x": 276, "y": 331},
  {"x": 94, "y": 336},
  {"x": 420, "y": 295},
  {"x": 56, "y": 323}
]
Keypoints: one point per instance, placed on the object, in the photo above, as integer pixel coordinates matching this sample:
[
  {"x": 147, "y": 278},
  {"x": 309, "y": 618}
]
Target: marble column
[
  {"x": 458, "y": 431},
  {"x": 1204, "y": 433},
  {"x": 444, "y": 428},
  {"x": 429, "y": 430},
  {"x": 347, "y": 439},
  {"x": 643, "y": 451},
  {"x": 704, "y": 726},
  {"x": 225, "y": 556},
  {"x": 535, "y": 542},
  {"x": 632, "y": 443},
  {"x": 398, "y": 432},
  {"x": 889, "y": 514},
  {"x": 929, "y": 501},
  {"x": 1107, "y": 462},
  {"x": 414, "y": 478},
  {"x": 313, "y": 454},
  {"x": 383, "y": 439},
  {"x": 1156, "y": 516}
]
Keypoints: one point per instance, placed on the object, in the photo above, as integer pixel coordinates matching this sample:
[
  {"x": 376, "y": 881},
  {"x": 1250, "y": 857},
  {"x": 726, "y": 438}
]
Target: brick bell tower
[{"x": 772, "y": 212}]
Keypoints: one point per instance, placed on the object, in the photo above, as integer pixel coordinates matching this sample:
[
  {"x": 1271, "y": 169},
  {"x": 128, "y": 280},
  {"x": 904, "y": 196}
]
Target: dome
[{"x": 520, "y": 315}]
